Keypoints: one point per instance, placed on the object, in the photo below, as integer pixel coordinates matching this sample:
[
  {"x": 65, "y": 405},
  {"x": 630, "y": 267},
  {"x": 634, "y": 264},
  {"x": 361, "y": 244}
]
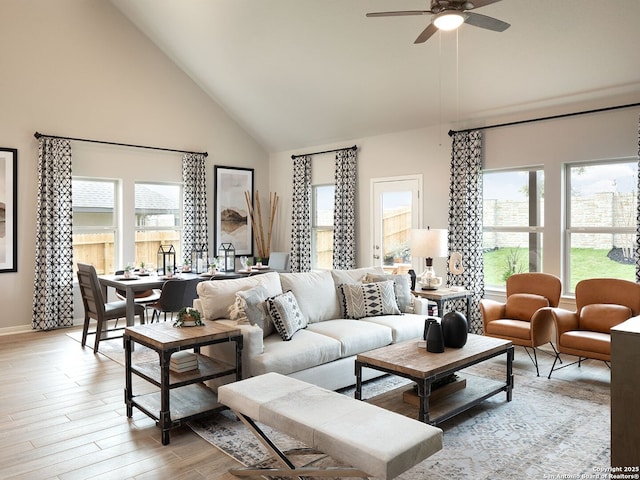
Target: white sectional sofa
[{"x": 332, "y": 316}]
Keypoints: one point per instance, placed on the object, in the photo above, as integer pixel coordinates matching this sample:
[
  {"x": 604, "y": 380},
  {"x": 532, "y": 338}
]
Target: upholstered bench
[{"x": 370, "y": 441}]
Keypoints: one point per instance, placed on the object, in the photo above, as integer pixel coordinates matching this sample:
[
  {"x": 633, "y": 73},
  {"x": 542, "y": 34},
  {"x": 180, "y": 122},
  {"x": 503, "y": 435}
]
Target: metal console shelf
[{"x": 190, "y": 397}]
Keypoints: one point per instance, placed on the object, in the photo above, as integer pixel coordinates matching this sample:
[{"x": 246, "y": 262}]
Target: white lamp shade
[{"x": 429, "y": 243}]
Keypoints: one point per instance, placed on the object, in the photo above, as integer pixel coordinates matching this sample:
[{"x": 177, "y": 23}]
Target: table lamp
[{"x": 429, "y": 243}]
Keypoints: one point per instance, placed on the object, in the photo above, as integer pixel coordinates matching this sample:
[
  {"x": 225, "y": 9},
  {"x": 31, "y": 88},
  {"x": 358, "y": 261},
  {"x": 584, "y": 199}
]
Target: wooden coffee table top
[{"x": 409, "y": 359}]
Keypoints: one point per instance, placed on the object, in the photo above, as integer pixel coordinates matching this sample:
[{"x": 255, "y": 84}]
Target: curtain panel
[
  {"x": 195, "y": 226},
  {"x": 344, "y": 213},
  {"x": 53, "y": 279},
  {"x": 465, "y": 219},
  {"x": 301, "y": 215}
]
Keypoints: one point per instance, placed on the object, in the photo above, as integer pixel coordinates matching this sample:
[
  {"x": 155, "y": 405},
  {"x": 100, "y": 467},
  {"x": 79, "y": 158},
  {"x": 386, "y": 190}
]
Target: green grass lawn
[{"x": 585, "y": 263}]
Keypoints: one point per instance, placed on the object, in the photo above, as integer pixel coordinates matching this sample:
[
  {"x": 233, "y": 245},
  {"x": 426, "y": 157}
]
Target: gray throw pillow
[
  {"x": 369, "y": 300},
  {"x": 286, "y": 314},
  {"x": 250, "y": 309},
  {"x": 402, "y": 285}
]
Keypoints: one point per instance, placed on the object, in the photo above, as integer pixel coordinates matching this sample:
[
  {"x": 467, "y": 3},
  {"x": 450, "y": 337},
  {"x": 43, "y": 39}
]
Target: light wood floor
[{"x": 62, "y": 416}]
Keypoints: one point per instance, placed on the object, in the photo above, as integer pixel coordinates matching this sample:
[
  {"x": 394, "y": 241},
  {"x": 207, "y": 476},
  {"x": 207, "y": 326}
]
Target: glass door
[{"x": 396, "y": 210}]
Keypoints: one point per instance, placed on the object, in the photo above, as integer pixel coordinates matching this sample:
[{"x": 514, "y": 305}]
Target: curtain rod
[
  {"x": 38, "y": 135},
  {"x": 551, "y": 117},
  {"x": 355, "y": 147}
]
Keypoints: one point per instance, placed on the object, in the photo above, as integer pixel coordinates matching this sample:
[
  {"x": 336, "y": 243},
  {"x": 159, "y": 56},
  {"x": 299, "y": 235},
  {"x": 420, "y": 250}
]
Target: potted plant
[
  {"x": 188, "y": 317},
  {"x": 128, "y": 271}
]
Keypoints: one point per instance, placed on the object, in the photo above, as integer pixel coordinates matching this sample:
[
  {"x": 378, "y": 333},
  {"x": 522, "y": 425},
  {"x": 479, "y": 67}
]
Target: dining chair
[
  {"x": 171, "y": 299},
  {"x": 144, "y": 298},
  {"x": 97, "y": 309},
  {"x": 190, "y": 292},
  {"x": 279, "y": 262}
]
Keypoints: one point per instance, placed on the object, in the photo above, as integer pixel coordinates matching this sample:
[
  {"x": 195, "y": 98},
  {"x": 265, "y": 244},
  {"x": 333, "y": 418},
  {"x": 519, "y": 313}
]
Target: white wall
[{"x": 78, "y": 68}]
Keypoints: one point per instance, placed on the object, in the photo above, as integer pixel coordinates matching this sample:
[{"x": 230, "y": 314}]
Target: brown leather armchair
[
  {"x": 601, "y": 303},
  {"x": 523, "y": 319}
]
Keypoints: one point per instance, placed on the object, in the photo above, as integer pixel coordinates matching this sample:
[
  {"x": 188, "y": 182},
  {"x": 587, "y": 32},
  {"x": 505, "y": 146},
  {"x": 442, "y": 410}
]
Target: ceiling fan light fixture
[{"x": 448, "y": 20}]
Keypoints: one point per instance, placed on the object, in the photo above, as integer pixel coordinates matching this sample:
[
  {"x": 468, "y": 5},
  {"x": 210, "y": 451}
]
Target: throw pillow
[
  {"x": 369, "y": 299},
  {"x": 522, "y": 306},
  {"x": 286, "y": 315},
  {"x": 402, "y": 285},
  {"x": 250, "y": 309}
]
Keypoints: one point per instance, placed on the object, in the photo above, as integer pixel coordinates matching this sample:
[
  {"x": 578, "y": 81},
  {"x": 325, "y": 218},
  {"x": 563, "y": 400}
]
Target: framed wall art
[
  {"x": 232, "y": 220},
  {"x": 8, "y": 210}
]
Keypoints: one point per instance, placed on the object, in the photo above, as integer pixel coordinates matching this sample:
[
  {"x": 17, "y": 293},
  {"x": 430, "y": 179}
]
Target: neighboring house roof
[{"x": 99, "y": 196}]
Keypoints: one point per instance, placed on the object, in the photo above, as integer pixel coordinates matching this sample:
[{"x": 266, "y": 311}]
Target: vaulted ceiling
[{"x": 298, "y": 73}]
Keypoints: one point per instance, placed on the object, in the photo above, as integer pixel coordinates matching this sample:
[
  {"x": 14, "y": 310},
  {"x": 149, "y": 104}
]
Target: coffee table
[{"x": 408, "y": 360}]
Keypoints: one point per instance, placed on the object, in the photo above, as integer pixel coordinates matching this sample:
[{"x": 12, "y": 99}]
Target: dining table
[{"x": 143, "y": 282}]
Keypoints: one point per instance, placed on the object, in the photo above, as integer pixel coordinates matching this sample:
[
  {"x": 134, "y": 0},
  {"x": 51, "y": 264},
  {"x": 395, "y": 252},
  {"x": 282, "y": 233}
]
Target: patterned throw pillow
[
  {"x": 250, "y": 309},
  {"x": 286, "y": 314},
  {"x": 369, "y": 299},
  {"x": 402, "y": 285}
]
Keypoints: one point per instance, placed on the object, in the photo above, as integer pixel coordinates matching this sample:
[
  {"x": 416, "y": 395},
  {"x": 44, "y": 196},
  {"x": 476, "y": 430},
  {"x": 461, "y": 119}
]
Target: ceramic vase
[
  {"x": 454, "y": 329},
  {"x": 434, "y": 338}
]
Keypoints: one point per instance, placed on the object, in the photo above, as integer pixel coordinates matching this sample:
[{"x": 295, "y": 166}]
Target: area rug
[
  {"x": 551, "y": 428},
  {"x": 113, "y": 348}
]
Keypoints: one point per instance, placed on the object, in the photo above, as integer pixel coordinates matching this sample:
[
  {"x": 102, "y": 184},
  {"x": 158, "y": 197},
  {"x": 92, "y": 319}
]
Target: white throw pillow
[
  {"x": 251, "y": 309},
  {"x": 286, "y": 315},
  {"x": 217, "y": 296},
  {"x": 315, "y": 293},
  {"x": 369, "y": 300},
  {"x": 402, "y": 284}
]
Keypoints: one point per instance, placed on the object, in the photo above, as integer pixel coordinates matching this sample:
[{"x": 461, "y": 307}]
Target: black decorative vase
[
  {"x": 454, "y": 329},
  {"x": 412, "y": 274},
  {"x": 433, "y": 336}
]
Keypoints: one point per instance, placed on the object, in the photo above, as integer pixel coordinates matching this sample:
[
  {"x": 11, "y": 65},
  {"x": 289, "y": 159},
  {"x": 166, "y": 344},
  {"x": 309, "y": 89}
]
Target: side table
[
  {"x": 190, "y": 397},
  {"x": 442, "y": 295}
]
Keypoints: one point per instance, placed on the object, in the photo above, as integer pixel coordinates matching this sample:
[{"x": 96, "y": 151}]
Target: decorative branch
[{"x": 264, "y": 245}]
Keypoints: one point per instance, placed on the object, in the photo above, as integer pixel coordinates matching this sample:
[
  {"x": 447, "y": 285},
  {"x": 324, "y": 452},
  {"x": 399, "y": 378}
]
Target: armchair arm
[
  {"x": 564, "y": 320},
  {"x": 491, "y": 310},
  {"x": 542, "y": 326}
]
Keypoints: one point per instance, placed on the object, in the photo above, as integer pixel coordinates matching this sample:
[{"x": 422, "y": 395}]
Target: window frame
[
  {"x": 568, "y": 229},
  {"x": 535, "y": 213},
  {"x": 315, "y": 227}
]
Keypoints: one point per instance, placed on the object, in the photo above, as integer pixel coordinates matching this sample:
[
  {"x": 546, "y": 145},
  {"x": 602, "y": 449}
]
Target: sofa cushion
[
  {"x": 355, "y": 336},
  {"x": 250, "y": 309},
  {"x": 305, "y": 350},
  {"x": 353, "y": 276},
  {"x": 369, "y": 299},
  {"x": 600, "y": 317},
  {"x": 309, "y": 288},
  {"x": 218, "y": 295},
  {"x": 522, "y": 306},
  {"x": 403, "y": 328},
  {"x": 402, "y": 286},
  {"x": 286, "y": 314}
]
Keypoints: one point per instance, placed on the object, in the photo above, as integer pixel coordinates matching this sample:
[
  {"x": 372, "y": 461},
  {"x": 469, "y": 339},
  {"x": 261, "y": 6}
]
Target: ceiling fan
[{"x": 449, "y": 15}]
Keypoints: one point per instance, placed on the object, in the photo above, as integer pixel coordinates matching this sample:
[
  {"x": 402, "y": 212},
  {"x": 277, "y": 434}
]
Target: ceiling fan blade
[
  {"x": 426, "y": 33},
  {"x": 399, "y": 13},
  {"x": 471, "y": 4},
  {"x": 483, "y": 21}
]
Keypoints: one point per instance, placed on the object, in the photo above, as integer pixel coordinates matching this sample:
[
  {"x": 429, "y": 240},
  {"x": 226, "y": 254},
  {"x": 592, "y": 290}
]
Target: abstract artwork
[
  {"x": 8, "y": 210},
  {"x": 232, "y": 220}
]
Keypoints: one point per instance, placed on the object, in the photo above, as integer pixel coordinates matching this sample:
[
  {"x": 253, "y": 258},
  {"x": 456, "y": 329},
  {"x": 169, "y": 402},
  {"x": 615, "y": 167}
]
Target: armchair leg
[{"x": 534, "y": 359}]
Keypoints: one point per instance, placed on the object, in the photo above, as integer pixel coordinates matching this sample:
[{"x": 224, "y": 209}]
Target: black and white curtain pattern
[
  {"x": 194, "y": 178},
  {"x": 638, "y": 213},
  {"x": 301, "y": 215},
  {"x": 465, "y": 219},
  {"x": 344, "y": 213},
  {"x": 53, "y": 279}
]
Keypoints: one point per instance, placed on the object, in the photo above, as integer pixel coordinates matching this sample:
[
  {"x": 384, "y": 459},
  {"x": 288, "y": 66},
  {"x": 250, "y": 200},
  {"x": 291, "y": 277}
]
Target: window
[
  {"x": 322, "y": 226},
  {"x": 158, "y": 220},
  {"x": 601, "y": 216},
  {"x": 95, "y": 216},
  {"x": 512, "y": 223}
]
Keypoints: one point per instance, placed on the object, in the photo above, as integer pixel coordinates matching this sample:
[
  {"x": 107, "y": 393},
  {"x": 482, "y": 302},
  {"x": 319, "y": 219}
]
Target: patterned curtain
[
  {"x": 344, "y": 213},
  {"x": 465, "y": 219},
  {"x": 194, "y": 177},
  {"x": 638, "y": 213},
  {"x": 301, "y": 215},
  {"x": 53, "y": 279}
]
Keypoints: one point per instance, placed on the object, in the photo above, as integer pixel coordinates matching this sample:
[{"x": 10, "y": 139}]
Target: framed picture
[
  {"x": 232, "y": 220},
  {"x": 8, "y": 210}
]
